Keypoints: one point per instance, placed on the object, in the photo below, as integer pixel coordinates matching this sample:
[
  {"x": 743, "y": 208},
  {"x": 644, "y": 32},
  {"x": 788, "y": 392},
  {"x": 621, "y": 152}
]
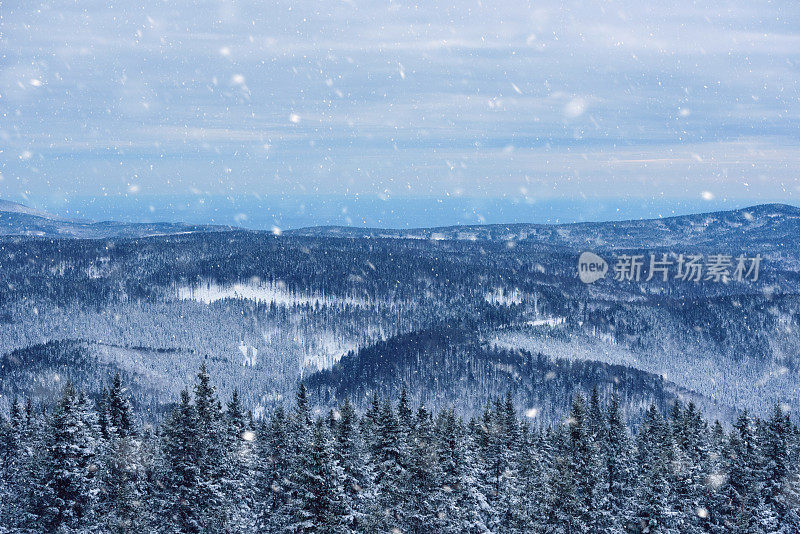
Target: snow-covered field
[
  {"x": 502, "y": 297},
  {"x": 551, "y": 322},
  {"x": 266, "y": 293}
]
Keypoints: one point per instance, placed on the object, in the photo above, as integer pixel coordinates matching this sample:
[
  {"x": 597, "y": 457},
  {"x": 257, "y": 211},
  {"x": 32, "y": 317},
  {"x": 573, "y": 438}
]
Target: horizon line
[{"x": 43, "y": 213}]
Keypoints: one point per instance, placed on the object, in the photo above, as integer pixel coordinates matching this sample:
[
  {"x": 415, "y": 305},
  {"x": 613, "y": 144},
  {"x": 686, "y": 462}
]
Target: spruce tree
[
  {"x": 655, "y": 453},
  {"x": 350, "y": 454},
  {"x": 617, "y": 452},
  {"x": 317, "y": 501},
  {"x": 120, "y": 490},
  {"x": 564, "y": 503},
  {"x": 274, "y": 467},
  {"x": 8, "y": 457},
  {"x": 532, "y": 470},
  {"x": 464, "y": 503},
  {"x": 67, "y": 490},
  {"x": 301, "y": 442},
  {"x": 212, "y": 455},
  {"x": 239, "y": 467},
  {"x": 740, "y": 494},
  {"x": 582, "y": 461},
  {"x": 181, "y": 496},
  {"x": 118, "y": 408},
  {"x": 425, "y": 505},
  {"x": 775, "y": 468},
  {"x": 390, "y": 463},
  {"x": 690, "y": 492},
  {"x": 28, "y": 471}
]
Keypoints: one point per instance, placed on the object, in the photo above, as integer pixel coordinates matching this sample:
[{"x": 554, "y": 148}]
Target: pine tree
[
  {"x": 318, "y": 502},
  {"x": 617, "y": 452},
  {"x": 654, "y": 511},
  {"x": 389, "y": 462},
  {"x": 212, "y": 456},
  {"x": 120, "y": 488},
  {"x": 239, "y": 469},
  {"x": 67, "y": 490},
  {"x": 182, "y": 501},
  {"x": 351, "y": 455}
]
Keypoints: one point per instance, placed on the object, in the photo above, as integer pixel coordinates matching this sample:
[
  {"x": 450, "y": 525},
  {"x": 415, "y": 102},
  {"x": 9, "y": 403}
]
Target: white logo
[
  {"x": 715, "y": 268},
  {"x": 591, "y": 267}
]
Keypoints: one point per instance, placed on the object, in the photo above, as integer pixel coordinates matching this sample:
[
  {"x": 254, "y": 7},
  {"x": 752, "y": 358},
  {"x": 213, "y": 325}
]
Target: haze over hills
[
  {"x": 742, "y": 219},
  {"x": 14, "y": 207},
  {"x": 20, "y": 220},
  {"x": 767, "y": 225},
  {"x": 763, "y": 223}
]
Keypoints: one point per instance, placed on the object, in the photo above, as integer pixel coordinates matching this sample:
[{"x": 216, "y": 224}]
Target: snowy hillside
[
  {"x": 775, "y": 227},
  {"x": 265, "y": 311},
  {"x": 19, "y": 220}
]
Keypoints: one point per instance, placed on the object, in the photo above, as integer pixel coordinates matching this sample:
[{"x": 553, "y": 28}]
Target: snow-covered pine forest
[
  {"x": 80, "y": 466},
  {"x": 264, "y": 311}
]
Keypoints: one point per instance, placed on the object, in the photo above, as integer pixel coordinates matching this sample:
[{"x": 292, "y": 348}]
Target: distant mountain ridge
[
  {"x": 18, "y": 220},
  {"x": 761, "y": 223},
  {"x": 765, "y": 227},
  {"x": 15, "y": 207}
]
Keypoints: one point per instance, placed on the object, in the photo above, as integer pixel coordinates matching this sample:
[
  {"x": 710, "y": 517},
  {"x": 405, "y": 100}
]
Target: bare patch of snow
[
  {"x": 503, "y": 297},
  {"x": 267, "y": 293}
]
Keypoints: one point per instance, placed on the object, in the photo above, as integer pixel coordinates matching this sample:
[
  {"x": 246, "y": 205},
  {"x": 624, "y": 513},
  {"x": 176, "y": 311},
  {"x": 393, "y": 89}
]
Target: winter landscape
[
  {"x": 463, "y": 379},
  {"x": 399, "y": 267}
]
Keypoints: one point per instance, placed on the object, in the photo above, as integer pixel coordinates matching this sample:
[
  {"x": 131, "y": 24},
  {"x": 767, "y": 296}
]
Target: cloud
[{"x": 418, "y": 98}]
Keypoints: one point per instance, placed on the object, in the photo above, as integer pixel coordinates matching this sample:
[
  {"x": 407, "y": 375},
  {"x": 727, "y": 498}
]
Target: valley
[{"x": 266, "y": 311}]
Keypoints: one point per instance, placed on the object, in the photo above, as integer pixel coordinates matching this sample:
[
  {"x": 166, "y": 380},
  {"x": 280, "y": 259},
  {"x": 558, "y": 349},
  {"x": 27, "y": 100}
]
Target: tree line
[{"x": 82, "y": 466}]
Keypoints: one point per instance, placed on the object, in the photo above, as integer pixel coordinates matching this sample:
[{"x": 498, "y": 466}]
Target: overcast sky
[{"x": 529, "y": 102}]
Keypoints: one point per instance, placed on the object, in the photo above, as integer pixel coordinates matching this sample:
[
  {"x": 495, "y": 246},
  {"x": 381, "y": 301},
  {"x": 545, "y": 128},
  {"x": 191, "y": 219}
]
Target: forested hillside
[
  {"x": 264, "y": 311},
  {"x": 399, "y": 267},
  {"x": 771, "y": 228},
  {"x": 79, "y": 466},
  {"x": 451, "y": 367},
  {"x": 19, "y": 220}
]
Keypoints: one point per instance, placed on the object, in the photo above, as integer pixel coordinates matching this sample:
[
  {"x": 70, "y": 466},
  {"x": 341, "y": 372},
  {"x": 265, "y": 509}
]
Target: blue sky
[{"x": 631, "y": 108}]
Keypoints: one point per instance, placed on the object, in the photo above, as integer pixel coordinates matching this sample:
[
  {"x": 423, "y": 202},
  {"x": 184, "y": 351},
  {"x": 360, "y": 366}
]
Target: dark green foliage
[{"x": 400, "y": 467}]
